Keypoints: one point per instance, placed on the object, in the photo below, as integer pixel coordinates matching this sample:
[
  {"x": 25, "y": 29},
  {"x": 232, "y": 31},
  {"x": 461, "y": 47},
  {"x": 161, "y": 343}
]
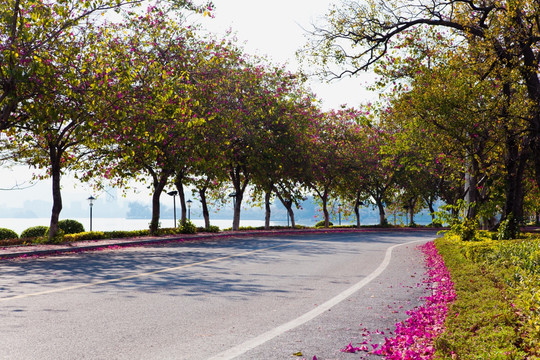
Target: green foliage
[
  {"x": 8, "y": 234},
  {"x": 188, "y": 228},
  {"x": 58, "y": 238},
  {"x": 35, "y": 231},
  {"x": 519, "y": 260},
  {"x": 12, "y": 241},
  {"x": 321, "y": 224},
  {"x": 211, "y": 229},
  {"x": 508, "y": 229},
  {"x": 124, "y": 233},
  {"x": 466, "y": 229},
  {"x": 90, "y": 235},
  {"x": 166, "y": 231},
  {"x": 71, "y": 226},
  {"x": 481, "y": 323}
]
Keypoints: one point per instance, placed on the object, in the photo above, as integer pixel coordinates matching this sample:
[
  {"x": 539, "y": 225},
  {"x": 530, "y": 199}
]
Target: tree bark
[
  {"x": 326, "y": 215},
  {"x": 268, "y": 211},
  {"x": 55, "y": 157},
  {"x": 178, "y": 182},
  {"x": 515, "y": 162},
  {"x": 288, "y": 206},
  {"x": 515, "y": 168},
  {"x": 240, "y": 181},
  {"x": 382, "y": 213},
  {"x": 357, "y": 204},
  {"x": 159, "y": 184},
  {"x": 431, "y": 209},
  {"x": 204, "y": 204}
]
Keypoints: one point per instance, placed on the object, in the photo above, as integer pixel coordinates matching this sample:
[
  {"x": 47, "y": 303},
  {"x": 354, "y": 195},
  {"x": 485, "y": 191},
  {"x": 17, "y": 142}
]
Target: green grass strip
[{"x": 482, "y": 322}]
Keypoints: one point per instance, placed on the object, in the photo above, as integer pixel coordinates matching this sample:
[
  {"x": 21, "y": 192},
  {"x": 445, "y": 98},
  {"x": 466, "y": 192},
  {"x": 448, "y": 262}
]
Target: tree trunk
[
  {"x": 412, "y": 205},
  {"x": 382, "y": 214},
  {"x": 515, "y": 168},
  {"x": 431, "y": 211},
  {"x": 291, "y": 216},
  {"x": 288, "y": 206},
  {"x": 268, "y": 211},
  {"x": 237, "y": 208},
  {"x": 357, "y": 209},
  {"x": 56, "y": 192},
  {"x": 206, "y": 214},
  {"x": 178, "y": 182},
  {"x": 236, "y": 174},
  {"x": 471, "y": 190},
  {"x": 324, "y": 199},
  {"x": 515, "y": 162},
  {"x": 159, "y": 185}
]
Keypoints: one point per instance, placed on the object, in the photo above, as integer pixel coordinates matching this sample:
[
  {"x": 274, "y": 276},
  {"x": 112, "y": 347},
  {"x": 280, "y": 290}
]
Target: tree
[
  {"x": 57, "y": 133},
  {"x": 284, "y": 122},
  {"x": 328, "y": 156},
  {"x": 31, "y": 31},
  {"x": 149, "y": 132},
  {"x": 503, "y": 35}
]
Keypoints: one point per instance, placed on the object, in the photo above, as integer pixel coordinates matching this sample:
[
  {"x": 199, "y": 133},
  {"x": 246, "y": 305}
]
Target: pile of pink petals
[{"x": 414, "y": 338}]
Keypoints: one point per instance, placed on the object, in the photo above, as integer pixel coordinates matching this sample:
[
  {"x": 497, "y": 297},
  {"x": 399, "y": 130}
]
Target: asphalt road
[{"x": 240, "y": 298}]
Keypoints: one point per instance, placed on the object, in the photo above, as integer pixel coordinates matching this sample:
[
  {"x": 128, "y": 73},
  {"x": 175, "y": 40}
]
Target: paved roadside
[
  {"x": 249, "y": 297},
  {"x": 39, "y": 250}
]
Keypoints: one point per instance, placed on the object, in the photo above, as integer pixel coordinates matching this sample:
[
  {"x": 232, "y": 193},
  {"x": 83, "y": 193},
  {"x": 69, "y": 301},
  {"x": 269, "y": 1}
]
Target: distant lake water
[{"x": 109, "y": 224}]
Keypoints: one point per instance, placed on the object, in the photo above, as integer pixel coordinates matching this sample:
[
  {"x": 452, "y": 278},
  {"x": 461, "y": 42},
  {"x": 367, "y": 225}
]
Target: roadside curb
[{"x": 43, "y": 250}]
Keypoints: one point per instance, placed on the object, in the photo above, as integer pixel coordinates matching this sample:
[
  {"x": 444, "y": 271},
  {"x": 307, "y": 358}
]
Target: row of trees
[
  {"x": 149, "y": 98},
  {"x": 463, "y": 86}
]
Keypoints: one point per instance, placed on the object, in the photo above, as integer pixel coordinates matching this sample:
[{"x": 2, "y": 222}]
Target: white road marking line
[{"x": 269, "y": 335}]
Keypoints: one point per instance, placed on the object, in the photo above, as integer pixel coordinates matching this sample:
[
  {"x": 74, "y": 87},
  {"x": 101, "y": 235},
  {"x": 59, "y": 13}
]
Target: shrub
[
  {"x": 57, "y": 239},
  {"x": 125, "y": 233},
  {"x": 71, "y": 226},
  {"x": 91, "y": 235},
  {"x": 188, "y": 228},
  {"x": 505, "y": 231},
  {"x": 35, "y": 231},
  {"x": 321, "y": 224},
  {"x": 212, "y": 229},
  {"x": 8, "y": 234}
]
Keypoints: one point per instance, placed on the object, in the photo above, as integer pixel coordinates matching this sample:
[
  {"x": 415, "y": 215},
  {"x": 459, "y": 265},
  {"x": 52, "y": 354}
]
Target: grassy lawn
[{"x": 496, "y": 314}]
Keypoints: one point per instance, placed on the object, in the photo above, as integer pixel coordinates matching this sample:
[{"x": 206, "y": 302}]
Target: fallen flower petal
[{"x": 351, "y": 349}]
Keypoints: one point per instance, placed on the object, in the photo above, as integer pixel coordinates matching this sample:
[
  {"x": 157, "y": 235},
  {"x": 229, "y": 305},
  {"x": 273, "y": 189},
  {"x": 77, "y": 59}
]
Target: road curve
[{"x": 242, "y": 298}]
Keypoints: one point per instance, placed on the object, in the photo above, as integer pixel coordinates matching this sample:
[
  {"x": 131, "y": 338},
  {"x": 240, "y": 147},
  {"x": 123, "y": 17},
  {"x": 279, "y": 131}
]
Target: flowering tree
[
  {"x": 501, "y": 39},
  {"x": 31, "y": 31},
  {"x": 151, "y": 125},
  {"x": 58, "y": 132},
  {"x": 328, "y": 154},
  {"x": 284, "y": 124}
]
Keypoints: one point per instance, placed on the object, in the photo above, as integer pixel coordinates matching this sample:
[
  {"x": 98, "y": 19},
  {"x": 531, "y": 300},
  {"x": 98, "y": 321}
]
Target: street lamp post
[
  {"x": 173, "y": 194},
  {"x": 91, "y": 203},
  {"x": 189, "y": 209},
  {"x": 233, "y": 195}
]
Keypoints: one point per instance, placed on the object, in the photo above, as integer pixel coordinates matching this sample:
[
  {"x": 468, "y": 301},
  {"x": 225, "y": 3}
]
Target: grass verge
[{"x": 494, "y": 315}]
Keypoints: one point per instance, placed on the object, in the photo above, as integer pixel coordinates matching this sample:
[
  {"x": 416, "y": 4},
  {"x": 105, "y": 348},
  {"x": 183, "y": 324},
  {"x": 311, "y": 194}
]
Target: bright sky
[{"x": 276, "y": 29}]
